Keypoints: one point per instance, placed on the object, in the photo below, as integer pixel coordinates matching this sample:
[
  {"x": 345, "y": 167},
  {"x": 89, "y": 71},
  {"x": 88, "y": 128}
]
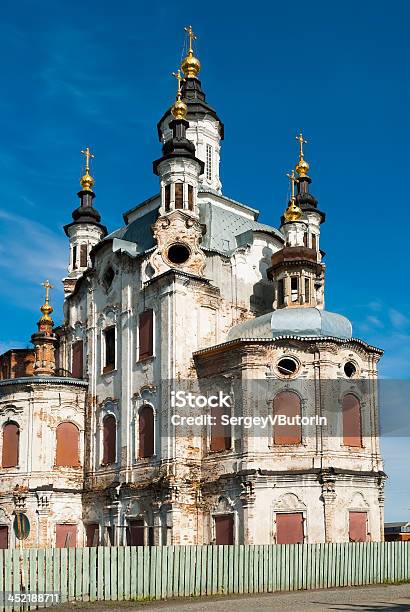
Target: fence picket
[{"x": 93, "y": 573}]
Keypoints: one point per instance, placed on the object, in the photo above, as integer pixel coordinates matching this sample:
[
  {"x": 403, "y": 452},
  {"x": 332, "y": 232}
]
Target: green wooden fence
[{"x": 124, "y": 573}]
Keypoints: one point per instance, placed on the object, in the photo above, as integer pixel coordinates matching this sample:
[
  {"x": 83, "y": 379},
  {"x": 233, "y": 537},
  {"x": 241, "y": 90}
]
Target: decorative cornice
[
  {"x": 44, "y": 380},
  {"x": 318, "y": 339}
]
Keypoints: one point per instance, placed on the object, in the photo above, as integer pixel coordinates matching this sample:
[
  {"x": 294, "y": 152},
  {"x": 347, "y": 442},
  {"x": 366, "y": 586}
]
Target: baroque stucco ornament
[{"x": 178, "y": 229}]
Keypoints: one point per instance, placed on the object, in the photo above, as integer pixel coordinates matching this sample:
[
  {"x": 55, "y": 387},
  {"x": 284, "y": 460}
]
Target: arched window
[
  {"x": 109, "y": 439},
  {"x": 146, "y": 432},
  {"x": 10, "y": 454},
  {"x": 286, "y": 407},
  {"x": 352, "y": 422},
  {"x": 67, "y": 445}
]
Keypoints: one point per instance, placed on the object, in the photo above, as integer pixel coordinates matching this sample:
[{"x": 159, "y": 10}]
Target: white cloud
[
  {"x": 30, "y": 253},
  {"x": 398, "y": 319}
]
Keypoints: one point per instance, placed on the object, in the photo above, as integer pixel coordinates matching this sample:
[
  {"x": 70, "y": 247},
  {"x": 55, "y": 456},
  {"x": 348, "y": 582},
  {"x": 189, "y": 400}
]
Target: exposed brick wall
[{"x": 13, "y": 363}]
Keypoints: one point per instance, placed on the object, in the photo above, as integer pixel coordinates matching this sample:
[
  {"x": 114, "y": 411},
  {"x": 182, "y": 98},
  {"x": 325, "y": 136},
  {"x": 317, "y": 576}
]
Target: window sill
[
  {"x": 146, "y": 359},
  {"x": 108, "y": 370}
]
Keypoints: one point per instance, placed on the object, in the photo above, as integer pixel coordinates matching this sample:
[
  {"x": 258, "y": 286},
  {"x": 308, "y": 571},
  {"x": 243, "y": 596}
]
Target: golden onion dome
[
  {"x": 87, "y": 181},
  {"x": 293, "y": 212},
  {"x": 191, "y": 66},
  {"x": 179, "y": 109},
  {"x": 302, "y": 167}
]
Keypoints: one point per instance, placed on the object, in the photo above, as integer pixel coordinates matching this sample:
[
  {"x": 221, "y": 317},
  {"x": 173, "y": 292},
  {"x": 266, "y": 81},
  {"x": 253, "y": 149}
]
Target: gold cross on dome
[
  {"x": 180, "y": 79},
  {"x": 47, "y": 287},
  {"x": 302, "y": 141},
  {"x": 292, "y": 179},
  {"x": 87, "y": 153},
  {"x": 191, "y": 35}
]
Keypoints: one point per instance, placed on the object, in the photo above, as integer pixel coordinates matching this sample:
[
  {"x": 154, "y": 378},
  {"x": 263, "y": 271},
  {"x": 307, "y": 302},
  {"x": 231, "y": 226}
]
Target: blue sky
[{"x": 97, "y": 73}]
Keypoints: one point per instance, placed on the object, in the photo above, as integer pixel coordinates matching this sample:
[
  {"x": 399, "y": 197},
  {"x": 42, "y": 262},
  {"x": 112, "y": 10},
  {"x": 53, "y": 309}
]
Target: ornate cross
[
  {"x": 302, "y": 141},
  {"x": 180, "y": 79},
  {"x": 47, "y": 287},
  {"x": 292, "y": 179},
  {"x": 191, "y": 35},
  {"x": 87, "y": 153}
]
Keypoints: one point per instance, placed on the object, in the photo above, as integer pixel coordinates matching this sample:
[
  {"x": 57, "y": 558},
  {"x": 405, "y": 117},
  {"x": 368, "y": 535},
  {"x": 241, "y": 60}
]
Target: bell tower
[
  {"x": 178, "y": 231},
  {"x": 205, "y": 129},
  {"x": 45, "y": 340},
  {"x": 85, "y": 231},
  {"x": 297, "y": 269}
]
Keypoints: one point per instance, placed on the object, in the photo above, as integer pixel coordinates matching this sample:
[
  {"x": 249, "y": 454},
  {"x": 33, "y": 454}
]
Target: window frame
[
  {"x": 17, "y": 463},
  {"x": 145, "y": 357},
  {"x": 78, "y": 464},
  {"x": 107, "y": 368},
  {"x": 147, "y": 457},
  {"x": 103, "y": 463}
]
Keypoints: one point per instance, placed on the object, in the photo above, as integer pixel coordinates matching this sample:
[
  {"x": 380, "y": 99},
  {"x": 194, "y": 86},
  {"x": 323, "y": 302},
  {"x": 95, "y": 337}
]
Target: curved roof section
[
  {"x": 304, "y": 322},
  {"x": 226, "y": 229}
]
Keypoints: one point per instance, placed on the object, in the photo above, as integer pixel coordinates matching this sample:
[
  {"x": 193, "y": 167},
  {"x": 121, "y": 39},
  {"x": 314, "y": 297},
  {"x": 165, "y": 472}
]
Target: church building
[{"x": 192, "y": 293}]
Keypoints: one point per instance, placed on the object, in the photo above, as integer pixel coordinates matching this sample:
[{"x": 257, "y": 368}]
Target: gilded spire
[
  {"x": 191, "y": 64},
  {"x": 46, "y": 309},
  {"x": 293, "y": 212},
  {"x": 179, "y": 108},
  {"x": 302, "y": 167},
  {"x": 87, "y": 181},
  {"x": 44, "y": 340}
]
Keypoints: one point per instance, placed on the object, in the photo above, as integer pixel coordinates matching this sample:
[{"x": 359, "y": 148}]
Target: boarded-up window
[
  {"x": 146, "y": 334},
  {"x": 314, "y": 242},
  {"x": 220, "y": 433},
  {"x": 135, "y": 533},
  {"x": 289, "y": 528},
  {"x": 305, "y": 239},
  {"x": 190, "y": 197},
  {"x": 4, "y": 536},
  {"x": 66, "y": 536},
  {"x": 307, "y": 289},
  {"x": 357, "y": 526},
  {"x": 281, "y": 292},
  {"x": 286, "y": 409},
  {"x": 167, "y": 197},
  {"x": 146, "y": 432},
  {"x": 224, "y": 529},
  {"x": 92, "y": 534},
  {"x": 179, "y": 195},
  {"x": 10, "y": 454},
  {"x": 109, "y": 439},
  {"x": 109, "y": 339},
  {"x": 352, "y": 427},
  {"x": 83, "y": 256},
  {"x": 67, "y": 445},
  {"x": 77, "y": 359}
]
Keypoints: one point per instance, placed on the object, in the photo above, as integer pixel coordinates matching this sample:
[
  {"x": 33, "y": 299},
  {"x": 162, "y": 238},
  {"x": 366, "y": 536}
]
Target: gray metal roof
[
  {"x": 225, "y": 229},
  {"x": 310, "y": 322}
]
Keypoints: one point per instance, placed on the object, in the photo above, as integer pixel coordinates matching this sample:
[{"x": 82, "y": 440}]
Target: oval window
[
  {"x": 287, "y": 366},
  {"x": 178, "y": 253},
  {"x": 350, "y": 369}
]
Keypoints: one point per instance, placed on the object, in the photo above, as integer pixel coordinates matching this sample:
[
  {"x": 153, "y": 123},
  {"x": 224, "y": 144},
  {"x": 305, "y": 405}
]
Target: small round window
[
  {"x": 350, "y": 369},
  {"x": 287, "y": 366},
  {"x": 178, "y": 253}
]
